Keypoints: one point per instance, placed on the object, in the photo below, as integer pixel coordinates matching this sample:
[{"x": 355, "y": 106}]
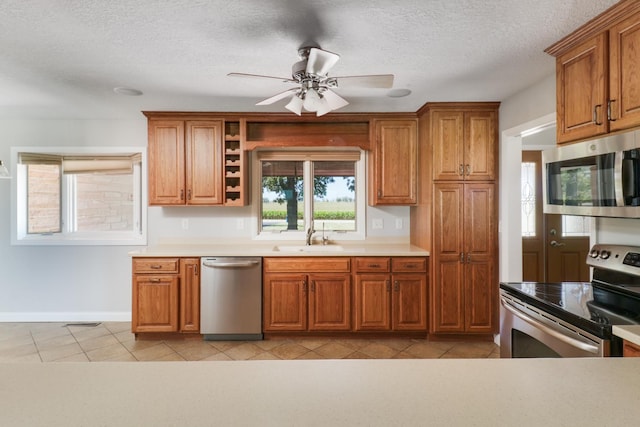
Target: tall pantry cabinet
[{"x": 462, "y": 139}]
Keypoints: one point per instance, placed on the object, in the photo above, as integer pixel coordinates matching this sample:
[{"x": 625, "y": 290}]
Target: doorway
[{"x": 554, "y": 247}]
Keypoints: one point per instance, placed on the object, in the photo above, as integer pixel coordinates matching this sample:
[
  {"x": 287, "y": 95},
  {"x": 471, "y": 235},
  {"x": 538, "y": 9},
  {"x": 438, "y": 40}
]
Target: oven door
[{"x": 525, "y": 331}]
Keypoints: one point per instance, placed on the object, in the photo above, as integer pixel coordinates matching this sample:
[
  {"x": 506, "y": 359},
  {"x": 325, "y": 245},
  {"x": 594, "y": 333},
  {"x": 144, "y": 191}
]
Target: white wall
[{"x": 93, "y": 283}]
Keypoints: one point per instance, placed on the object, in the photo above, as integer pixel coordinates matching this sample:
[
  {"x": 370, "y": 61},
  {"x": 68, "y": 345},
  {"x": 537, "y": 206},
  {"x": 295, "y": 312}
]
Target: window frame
[
  {"x": 310, "y": 156},
  {"x": 19, "y": 234}
]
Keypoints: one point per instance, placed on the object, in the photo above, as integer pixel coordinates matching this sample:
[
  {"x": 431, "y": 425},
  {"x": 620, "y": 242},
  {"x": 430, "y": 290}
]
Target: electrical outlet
[
  {"x": 185, "y": 223},
  {"x": 377, "y": 224},
  {"x": 398, "y": 223},
  {"x": 239, "y": 223}
]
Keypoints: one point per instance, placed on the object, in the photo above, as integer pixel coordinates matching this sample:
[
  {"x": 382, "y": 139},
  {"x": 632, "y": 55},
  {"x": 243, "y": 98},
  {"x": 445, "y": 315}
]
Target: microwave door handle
[{"x": 619, "y": 187}]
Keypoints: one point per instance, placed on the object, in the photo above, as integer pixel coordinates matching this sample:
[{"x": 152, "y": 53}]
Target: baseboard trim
[{"x": 96, "y": 316}]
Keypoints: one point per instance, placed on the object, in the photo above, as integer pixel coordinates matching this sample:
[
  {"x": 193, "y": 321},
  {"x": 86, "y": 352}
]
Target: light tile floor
[{"x": 113, "y": 341}]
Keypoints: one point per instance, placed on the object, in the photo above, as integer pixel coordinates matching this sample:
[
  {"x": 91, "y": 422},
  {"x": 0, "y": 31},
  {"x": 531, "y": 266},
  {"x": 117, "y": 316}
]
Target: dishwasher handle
[{"x": 230, "y": 264}]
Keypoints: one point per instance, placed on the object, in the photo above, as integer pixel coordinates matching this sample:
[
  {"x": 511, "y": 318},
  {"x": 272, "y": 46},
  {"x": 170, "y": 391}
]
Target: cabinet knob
[
  {"x": 468, "y": 169},
  {"x": 462, "y": 257},
  {"x": 461, "y": 169},
  {"x": 189, "y": 195},
  {"x": 181, "y": 194},
  {"x": 396, "y": 286}
]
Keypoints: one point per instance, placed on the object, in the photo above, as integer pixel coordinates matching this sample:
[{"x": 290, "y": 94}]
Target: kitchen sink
[{"x": 305, "y": 248}]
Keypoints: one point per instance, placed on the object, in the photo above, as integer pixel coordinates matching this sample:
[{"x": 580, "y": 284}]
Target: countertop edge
[
  {"x": 630, "y": 333},
  {"x": 263, "y": 250}
]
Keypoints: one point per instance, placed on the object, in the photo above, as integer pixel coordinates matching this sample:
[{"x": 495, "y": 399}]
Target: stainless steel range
[{"x": 571, "y": 319}]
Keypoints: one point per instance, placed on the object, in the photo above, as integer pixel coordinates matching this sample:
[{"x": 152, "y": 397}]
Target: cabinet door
[
  {"x": 409, "y": 302},
  {"x": 624, "y": 63},
  {"x": 329, "y": 302},
  {"x": 447, "y": 309},
  {"x": 395, "y": 165},
  {"x": 481, "y": 284},
  {"x": 373, "y": 302},
  {"x": 155, "y": 303},
  {"x": 581, "y": 88},
  {"x": 166, "y": 163},
  {"x": 204, "y": 163},
  {"x": 630, "y": 349},
  {"x": 190, "y": 295},
  {"x": 285, "y": 302},
  {"x": 447, "y": 135},
  {"x": 480, "y": 145}
]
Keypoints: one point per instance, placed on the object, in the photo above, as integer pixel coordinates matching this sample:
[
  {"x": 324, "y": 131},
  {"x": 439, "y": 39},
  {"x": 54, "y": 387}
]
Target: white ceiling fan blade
[
  {"x": 382, "y": 81},
  {"x": 334, "y": 100},
  {"x": 320, "y": 61},
  {"x": 277, "y": 97},
  {"x": 258, "y": 76}
]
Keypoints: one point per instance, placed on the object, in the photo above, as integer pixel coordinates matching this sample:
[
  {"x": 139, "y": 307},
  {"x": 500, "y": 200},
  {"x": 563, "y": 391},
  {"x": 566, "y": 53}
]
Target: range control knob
[
  {"x": 605, "y": 254},
  {"x": 594, "y": 253}
]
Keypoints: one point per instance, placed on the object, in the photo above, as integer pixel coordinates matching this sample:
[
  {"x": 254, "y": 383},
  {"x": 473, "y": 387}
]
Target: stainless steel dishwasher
[{"x": 231, "y": 298}]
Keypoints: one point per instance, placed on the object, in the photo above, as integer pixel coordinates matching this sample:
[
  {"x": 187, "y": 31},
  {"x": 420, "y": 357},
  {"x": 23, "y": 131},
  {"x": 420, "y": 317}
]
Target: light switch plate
[
  {"x": 398, "y": 223},
  {"x": 377, "y": 224}
]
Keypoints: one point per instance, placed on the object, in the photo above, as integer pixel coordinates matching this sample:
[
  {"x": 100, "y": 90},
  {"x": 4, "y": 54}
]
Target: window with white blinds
[{"x": 79, "y": 196}]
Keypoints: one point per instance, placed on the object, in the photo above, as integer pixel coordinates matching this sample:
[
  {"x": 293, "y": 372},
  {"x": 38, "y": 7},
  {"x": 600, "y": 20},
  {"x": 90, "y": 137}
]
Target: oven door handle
[{"x": 568, "y": 340}]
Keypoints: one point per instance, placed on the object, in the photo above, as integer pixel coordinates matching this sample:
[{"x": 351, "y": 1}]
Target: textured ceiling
[{"x": 62, "y": 58}]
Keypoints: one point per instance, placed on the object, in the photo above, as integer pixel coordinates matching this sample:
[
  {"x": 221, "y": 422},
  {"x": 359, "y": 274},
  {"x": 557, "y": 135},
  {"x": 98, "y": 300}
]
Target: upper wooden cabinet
[
  {"x": 464, "y": 144},
  {"x": 597, "y": 83},
  {"x": 394, "y": 164},
  {"x": 185, "y": 162}
]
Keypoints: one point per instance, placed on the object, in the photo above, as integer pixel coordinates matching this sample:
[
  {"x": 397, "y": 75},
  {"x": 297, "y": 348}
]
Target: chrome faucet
[{"x": 310, "y": 232}]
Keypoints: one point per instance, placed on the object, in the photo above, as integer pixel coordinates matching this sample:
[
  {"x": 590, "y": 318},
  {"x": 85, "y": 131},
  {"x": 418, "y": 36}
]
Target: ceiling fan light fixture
[
  {"x": 311, "y": 100},
  {"x": 323, "y": 107},
  {"x": 295, "y": 105}
]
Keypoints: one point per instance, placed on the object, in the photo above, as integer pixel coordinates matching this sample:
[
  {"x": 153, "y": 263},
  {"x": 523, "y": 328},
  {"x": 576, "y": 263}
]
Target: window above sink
[{"x": 283, "y": 181}]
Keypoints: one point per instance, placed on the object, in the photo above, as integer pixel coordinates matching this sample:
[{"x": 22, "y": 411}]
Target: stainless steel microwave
[{"x": 600, "y": 177}]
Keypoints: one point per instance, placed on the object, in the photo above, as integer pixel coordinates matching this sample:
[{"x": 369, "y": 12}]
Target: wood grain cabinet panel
[
  {"x": 630, "y": 349},
  {"x": 581, "y": 87},
  {"x": 465, "y": 282},
  {"x": 597, "y": 82},
  {"x": 464, "y": 144},
  {"x": 395, "y": 301},
  {"x": 307, "y": 294},
  {"x": 394, "y": 165},
  {"x": 165, "y": 295},
  {"x": 185, "y": 162}
]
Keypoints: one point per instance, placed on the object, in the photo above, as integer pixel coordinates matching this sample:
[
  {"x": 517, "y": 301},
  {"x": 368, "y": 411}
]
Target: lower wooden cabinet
[
  {"x": 166, "y": 295},
  {"x": 630, "y": 349},
  {"x": 315, "y": 294},
  {"x": 307, "y": 294},
  {"x": 390, "y": 294},
  {"x": 465, "y": 284}
]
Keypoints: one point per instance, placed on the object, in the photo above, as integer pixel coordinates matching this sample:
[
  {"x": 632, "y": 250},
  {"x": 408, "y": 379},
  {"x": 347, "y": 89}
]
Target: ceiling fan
[{"x": 314, "y": 87}]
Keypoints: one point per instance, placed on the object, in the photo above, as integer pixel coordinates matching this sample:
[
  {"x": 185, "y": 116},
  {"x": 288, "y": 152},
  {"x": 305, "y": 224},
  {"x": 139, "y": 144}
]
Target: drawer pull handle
[
  {"x": 156, "y": 267},
  {"x": 374, "y": 265},
  {"x": 154, "y": 280}
]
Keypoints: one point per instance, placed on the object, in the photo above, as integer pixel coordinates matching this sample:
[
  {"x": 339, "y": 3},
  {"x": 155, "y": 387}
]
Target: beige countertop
[
  {"x": 442, "y": 392},
  {"x": 279, "y": 249},
  {"x": 630, "y": 333}
]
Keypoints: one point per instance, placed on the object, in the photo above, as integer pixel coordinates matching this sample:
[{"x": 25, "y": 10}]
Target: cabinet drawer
[
  {"x": 373, "y": 264},
  {"x": 303, "y": 264},
  {"x": 156, "y": 265},
  {"x": 409, "y": 265}
]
